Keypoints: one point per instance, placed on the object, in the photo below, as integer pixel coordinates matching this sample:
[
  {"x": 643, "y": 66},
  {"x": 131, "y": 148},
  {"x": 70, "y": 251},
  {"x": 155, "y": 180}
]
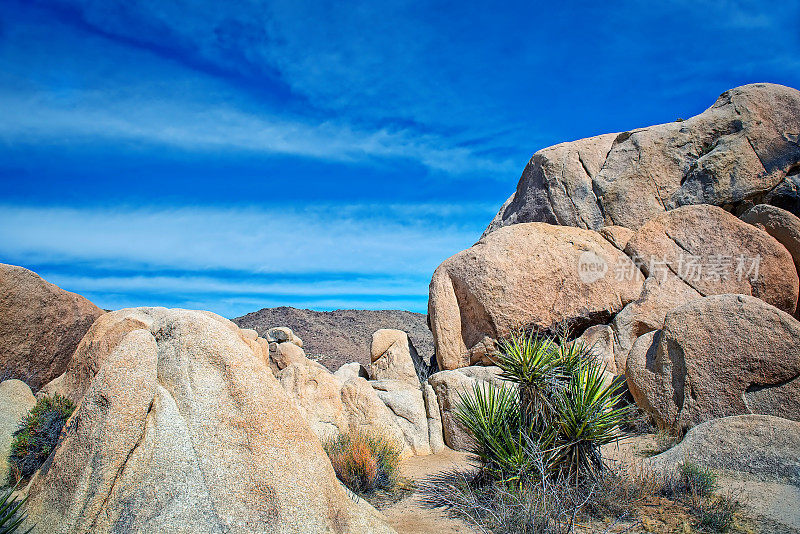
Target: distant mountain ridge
[{"x": 341, "y": 336}]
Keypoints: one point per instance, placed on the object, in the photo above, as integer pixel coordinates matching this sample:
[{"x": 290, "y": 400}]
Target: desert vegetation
[
  {"x": 38, "y": 435},
  {"x": 551, "y": 416},
  {"x": 538, "y": 437},
  {"x": 364, "y": 461},
  {"x": 11, "y": 518}
]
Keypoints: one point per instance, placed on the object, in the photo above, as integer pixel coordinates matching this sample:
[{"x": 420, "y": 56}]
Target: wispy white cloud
[
  {"x": 354, "y": 239},
  {"x": 47, "y": 119},
  {"x": 238, "y": 287}
]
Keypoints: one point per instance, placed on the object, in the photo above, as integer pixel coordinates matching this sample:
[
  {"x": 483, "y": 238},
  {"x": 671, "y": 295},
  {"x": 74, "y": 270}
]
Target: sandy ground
[
  {"x": 771, "y": 506},
  {"x": 411, "y": 515}
]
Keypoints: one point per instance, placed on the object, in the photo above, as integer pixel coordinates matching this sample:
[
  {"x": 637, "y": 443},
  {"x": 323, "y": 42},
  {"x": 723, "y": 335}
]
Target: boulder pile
[
  {"x": 181, "y": 426},
  {"x": 669, "y": 250}
]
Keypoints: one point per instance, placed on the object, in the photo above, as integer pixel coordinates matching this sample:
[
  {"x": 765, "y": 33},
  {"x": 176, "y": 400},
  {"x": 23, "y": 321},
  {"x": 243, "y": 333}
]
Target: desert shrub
[
  {"x": 716, "y": 514},
  {"x": 364, "y": 461},
  {"x": 38, "y": 434},
  {"x": 547, "y": 506},
  {"x": 559, "y": 415},
  {"x": 689, "y": 480},
  {"x": 10, "y": 517}
]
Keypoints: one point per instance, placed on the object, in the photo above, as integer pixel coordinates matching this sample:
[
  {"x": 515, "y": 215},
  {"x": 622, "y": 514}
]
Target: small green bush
[
  {"x": 717, "y": 514},
  {"x": 364, "y": 461},
  {"x": 10, "y": 517},
  {"x": 690, "y": 480},
  {"x": 38, "y": 434}
]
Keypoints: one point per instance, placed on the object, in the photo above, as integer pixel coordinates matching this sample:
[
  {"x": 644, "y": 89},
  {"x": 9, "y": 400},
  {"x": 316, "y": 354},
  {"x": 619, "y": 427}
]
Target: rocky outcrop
[
  {"x": 351, "y": 370},
  {"x": 780, "y": 224},
  {"x": 40, "y": 325},
  {"x": 393, "y": 357},
  {"x": 181, "y": 427},
  {"x": 331, "y": 407},
  {"x": 660, "y": 294},
  {"x": 407, "y": 403},
  {"x": 16, "y": 400},
  {"x": 718, "y": 356},
  {"x": 366, "y": 412},
  {"x": 334, "y": 338},
  {"x": 599, "y": 339},
  {"x": 283, "y": 334},
  {"x": 525, "y": 275},
  {"x": 449, "y": 386},
  {"x": 714, "y": 253},
  {"x": 760, "y": 445},
  {"x": 742, "y": 149},
  {"x": 434, "y": 415}
]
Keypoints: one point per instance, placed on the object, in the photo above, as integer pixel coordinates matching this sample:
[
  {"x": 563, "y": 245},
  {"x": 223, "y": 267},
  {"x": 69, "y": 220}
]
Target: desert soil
[{"x": 412, "y": 515}]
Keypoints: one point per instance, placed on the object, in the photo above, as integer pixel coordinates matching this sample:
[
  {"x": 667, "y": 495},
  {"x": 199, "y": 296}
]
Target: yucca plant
[
  {"x": 10, "y": 518},
  {"x": 533, "y": 363},
  {"x": 503, "y": 439},
  {"x": 559, "y": 417},
  {"x": 587, "y": 418}
]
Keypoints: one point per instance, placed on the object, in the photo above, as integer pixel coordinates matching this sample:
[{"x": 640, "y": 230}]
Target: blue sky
[{"x": 237, "y": 155}]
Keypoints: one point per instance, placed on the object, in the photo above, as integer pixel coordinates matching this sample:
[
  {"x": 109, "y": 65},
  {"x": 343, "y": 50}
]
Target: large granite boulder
[
  {"x": 181, "y": 427},
  {"x": 393, "y": 356},
  {"x": 525, "y": 275},
  {"x": 449, "y": 387},
  {"x": 780, "y": 224},
  {"x": 16, "y": 400},
  {"x": 765, "y": 446},
  {"x": 718, "y": 356},
  {"x": 660, "y": 294},
  {"x": 714, "y": 253},
  {"x": 740, "y": 148},
  {"x": 40, "y": 325},
  {"x": 351, "y": 370}
]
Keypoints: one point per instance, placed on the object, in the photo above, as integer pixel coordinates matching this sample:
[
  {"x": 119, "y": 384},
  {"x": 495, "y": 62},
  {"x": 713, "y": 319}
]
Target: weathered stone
[
  {"x": 16, "y": 400},
  {"x": 287, "y": 353},
  {"x": 283, "y": 334},
  {"x": 351, "y": 370},
  {"x": 182, "y": 428},
  {"x": 660, "y": 294},
  {"x": 317, "y": 395},
  {"x": 249, "y": 333},
  {"x": 391, "y": 357},
  {"x": 718, "y": 356},
  {"x": 617, "y": 235},
  {"x": 449, "y": 386},
  {"x": 434, "y": 415},
  {"x": 715, "y": 253},
  {"x": 40, "y": 325},
  {"x": 556, "y": 186},
  {"x": 780, "y": 224},
  {"x": 786, "y": 195},
  {"x": 599, "y": 339},
  {"x": 408, "y": 406},
  {"x": 761, "y": 445},
  {"x": 367, "y": 413},
  {"x": 742, "y": 147},
  {"x": 525, "y": 275}
]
